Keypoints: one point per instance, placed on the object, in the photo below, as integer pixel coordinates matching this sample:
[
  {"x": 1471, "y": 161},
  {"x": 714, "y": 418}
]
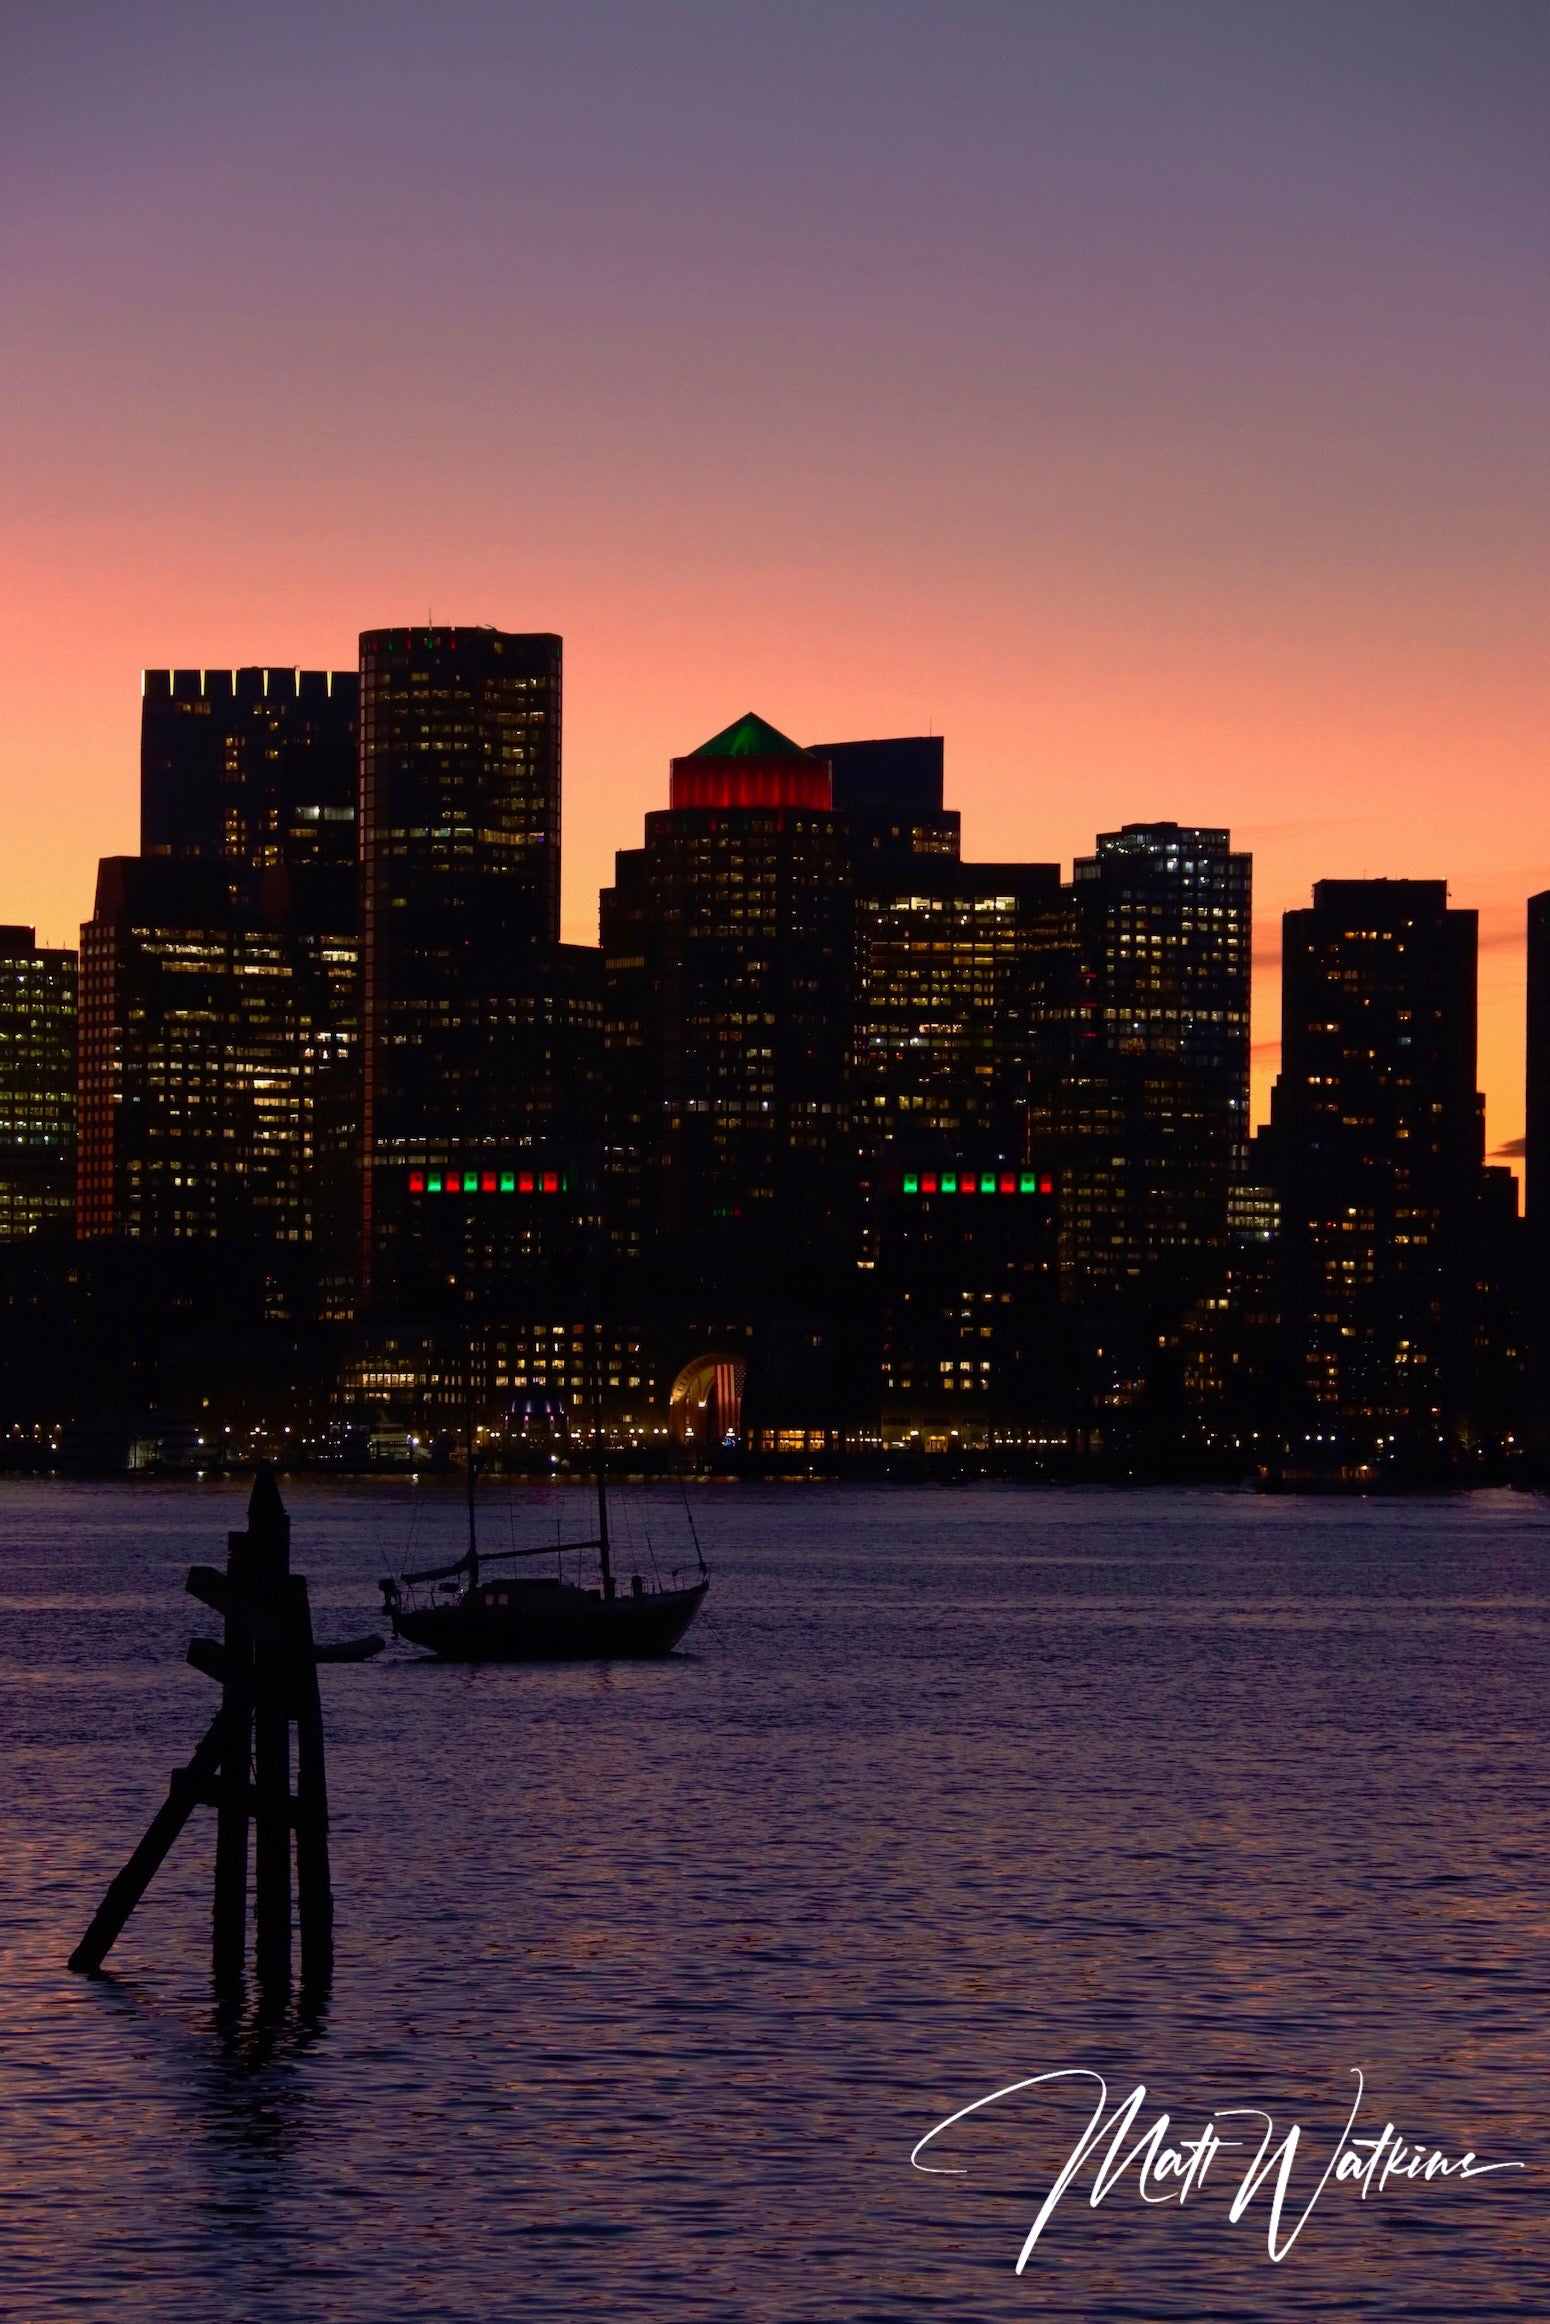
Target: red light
[
  {"x": 487, "y": 1182},
  {"x": 551, "y": 1183},
  {"x": 1008, "y": 1183},
  {"x": 968, "y": 1183},
  {"x": 417, "y": 1181},
  {"x": 454, "y": 1183},
  {"x": 1046, "y": 1185},
  {"x": 928, "y": 1183},
  {"x": 525, "y": 1182},
  {"x": 752, "y": 782}
]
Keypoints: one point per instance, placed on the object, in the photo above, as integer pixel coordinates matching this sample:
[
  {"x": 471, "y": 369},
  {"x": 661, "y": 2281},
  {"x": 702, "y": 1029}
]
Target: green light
[
  {"x": 508, "y": 1182},
  {"x": 1027, "y": 1183},
  {"x": 911, "y": 1182},
  {"x": 988, "y": 1182},
  {"x": 433, "y": 1183},
  {"x": 949, "y": 1182}
]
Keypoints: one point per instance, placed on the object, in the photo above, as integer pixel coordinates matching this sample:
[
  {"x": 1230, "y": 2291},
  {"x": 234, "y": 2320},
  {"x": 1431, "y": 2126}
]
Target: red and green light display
[
  {"x": 485, "y": 1181},
  {"x": 977, "y": 1182}
]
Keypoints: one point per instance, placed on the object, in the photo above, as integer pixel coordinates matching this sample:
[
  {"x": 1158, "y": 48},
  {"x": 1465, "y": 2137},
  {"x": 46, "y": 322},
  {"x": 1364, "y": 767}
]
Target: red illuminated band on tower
[{"x": 752, "y": 782}]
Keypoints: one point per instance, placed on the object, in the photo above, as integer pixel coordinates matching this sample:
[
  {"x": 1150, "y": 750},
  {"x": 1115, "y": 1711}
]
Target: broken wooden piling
[{"x": 266, "y": 1665}]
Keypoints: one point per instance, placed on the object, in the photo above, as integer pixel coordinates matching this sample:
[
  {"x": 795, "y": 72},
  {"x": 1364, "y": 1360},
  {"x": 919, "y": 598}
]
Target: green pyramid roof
[{"x": 750, "y": 737}]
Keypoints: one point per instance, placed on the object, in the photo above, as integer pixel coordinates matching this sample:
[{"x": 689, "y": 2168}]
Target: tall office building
[
  {"x": 37, "y": 1088},
  {"x": 480, "y": 1027},
  {"x": 1536, "y": 1173},
  {"x": 1378, "y": 1131},
  {"x": 939, "y": 968},
  {"x": 727, "y": 951},
  {"x": 219, "y": 1067},
  {"x": 255, "y": 766},
  {"x": 1138, "y": 1042}
]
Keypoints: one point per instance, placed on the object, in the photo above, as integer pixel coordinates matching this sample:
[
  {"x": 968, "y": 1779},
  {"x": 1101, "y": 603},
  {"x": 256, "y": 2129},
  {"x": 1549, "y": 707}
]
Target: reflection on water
[{"x": 649, "y": 1978}]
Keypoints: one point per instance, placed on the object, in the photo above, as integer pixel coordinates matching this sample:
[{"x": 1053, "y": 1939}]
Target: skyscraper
[
  {"x": 939, "y": 967},
  {"x": 37, "y": 1087},
  {"x": 1138, "y": 1040},
  {"x": 219, "y": 1067},
  {"x": 727, "y": 950},
  {"x": 256, "y": 766},
  {"x": 1378, "y": 1131},
  {"x": 479, "y": 1024}
]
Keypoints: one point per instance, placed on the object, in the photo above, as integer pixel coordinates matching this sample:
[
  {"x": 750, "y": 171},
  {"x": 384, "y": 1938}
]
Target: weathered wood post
[{"x": 266, "y": 1665}]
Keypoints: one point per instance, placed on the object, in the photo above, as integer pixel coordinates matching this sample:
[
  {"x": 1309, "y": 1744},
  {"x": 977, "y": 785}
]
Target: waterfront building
[
  {"x": 727, "y": 946},
  {"x": 1137, "y": 1039},
  {"x": 1378, "y": 1133},
  {"x": 1536, "y": 1174},
  {"x": 250, "y": 766},
  {"x": 480, "y": 1029},
  {"x": 37, "y": 1088},
  {"x": 219, "y": 1068},
  {"x": 940, "y": 951}
]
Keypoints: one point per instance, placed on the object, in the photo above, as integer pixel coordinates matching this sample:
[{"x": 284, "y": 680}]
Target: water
[{"x": 651, "y": 1977}]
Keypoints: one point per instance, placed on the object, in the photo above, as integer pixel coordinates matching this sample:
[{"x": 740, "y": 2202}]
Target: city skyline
[{"x": 1157, "y": 409}]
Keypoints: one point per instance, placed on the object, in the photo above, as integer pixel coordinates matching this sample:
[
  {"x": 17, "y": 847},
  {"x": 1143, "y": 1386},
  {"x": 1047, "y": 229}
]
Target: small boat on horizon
[{"x": 474, "y": 1616}]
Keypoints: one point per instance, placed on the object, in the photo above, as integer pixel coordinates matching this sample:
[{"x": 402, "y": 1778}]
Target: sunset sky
[{"x": 1151, "y": 398}]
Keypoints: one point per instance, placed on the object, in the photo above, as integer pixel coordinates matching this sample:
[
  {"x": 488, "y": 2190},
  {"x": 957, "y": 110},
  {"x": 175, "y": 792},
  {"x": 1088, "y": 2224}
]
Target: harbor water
[{"x": 651, "y": 1977}]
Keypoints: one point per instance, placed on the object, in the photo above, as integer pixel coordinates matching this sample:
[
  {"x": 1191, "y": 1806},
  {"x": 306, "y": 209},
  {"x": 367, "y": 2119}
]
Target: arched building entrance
[{"x": 705, "y": 1408}]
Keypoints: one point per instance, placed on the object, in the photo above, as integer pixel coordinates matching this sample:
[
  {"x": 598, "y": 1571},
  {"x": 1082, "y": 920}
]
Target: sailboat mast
[{"x": 473, "y": 1544}]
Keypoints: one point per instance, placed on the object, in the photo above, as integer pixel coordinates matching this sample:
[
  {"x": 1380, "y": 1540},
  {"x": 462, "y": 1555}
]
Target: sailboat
[{"x": 477, "y": 1616}]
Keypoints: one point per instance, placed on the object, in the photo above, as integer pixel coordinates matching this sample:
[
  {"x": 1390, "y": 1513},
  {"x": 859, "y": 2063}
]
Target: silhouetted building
[
  {"x": 481, "y": 1029},
  {"x": 727, "y": 949},
  {"x": 1138, "y": 1042},
  {"x": 1379, "y": 1132},
  {"x": 1536, "y": 1174},
  {"x": 219, "y": 1069},
  {"x": 37, "y": 1088},
  {"x": 251, "y": 766}
]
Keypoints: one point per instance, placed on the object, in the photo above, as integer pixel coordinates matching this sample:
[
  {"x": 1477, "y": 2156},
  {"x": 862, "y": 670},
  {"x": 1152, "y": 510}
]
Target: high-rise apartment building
[
  {"x": 37, "y": 1088},
  {"x": 219, "y": 1066},
  {"x": 1138, "y": 1044},
  {"x": 1378, "y": 1133},
  {"x": 481, "y": 1029},
  {"x": 727, "y": 949},
  {"x": 255, "y": 766}
]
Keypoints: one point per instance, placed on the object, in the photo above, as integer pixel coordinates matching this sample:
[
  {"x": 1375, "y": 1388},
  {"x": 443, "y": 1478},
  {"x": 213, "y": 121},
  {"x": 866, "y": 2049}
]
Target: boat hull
[{"x": 554, "y": 1625}]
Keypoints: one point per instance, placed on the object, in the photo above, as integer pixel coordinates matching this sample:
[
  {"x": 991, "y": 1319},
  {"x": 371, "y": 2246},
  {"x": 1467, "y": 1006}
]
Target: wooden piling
[{"x": 266, "y": 1666}]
